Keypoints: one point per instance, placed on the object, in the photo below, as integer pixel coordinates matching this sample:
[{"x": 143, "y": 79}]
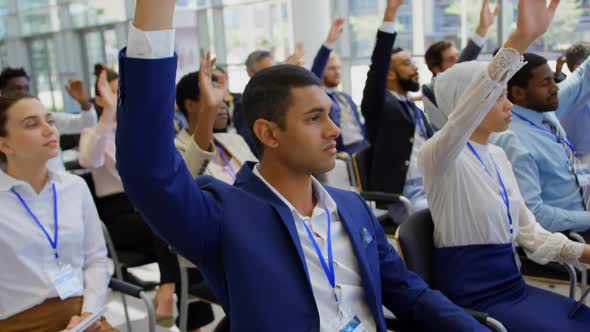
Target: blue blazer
[
  {"x": 319, "y": 65},
  {"x": 243, "y": 237}
]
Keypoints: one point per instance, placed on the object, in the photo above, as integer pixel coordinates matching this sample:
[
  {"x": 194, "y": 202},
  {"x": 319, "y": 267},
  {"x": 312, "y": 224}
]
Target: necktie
[{"x": 571, "y": 155}]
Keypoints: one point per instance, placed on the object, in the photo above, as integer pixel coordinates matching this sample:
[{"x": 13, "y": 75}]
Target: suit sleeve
[
  {"x": 376, "y": 84},
  {"x": 154, "y": 175},
  {"x": 320, "y": 61},
  {"x": 470, "y": 52}
]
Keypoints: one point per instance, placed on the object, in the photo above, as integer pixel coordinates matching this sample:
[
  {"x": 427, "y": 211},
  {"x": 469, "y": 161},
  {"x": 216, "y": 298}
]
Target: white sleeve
[
  {"x": 70, "y": 124},
  {"x": 92, "y": 146},
  {"x": 543, "y": 246},
  {"x": 387, "y": 27},
  {"x": 478, "y": 40},
  {"x": 195, "y": 158},
  {"x": 149, "y": 44},
  {"x": 95, "y": 267},
  {"x": 439, "y": 153}
]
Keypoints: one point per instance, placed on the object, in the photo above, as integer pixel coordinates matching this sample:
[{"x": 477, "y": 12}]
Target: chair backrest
[
  {"x": 361, "y": 162},
  {"x": 416, "y": 243}
]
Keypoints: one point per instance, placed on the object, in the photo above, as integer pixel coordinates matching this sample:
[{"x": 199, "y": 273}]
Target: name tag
[
  {"x": 352, "y": 324},
  {"x": 66, "y": 282}
]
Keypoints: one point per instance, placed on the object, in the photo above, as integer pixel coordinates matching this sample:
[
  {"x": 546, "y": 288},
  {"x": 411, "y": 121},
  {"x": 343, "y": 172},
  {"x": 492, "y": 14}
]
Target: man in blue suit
[
  {"x": 326, "y": 66},
  {"x": 280, "y": 251}
]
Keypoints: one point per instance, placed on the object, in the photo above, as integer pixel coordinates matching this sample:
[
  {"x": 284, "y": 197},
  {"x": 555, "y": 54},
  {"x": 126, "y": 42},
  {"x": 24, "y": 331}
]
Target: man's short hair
[
  {"x": 187, "y": 88},
  {"x": 9, "y": 73},
  {"x": 522, "y": 77},
  {"x": 268, "y": 94},
  {"x": 576, "y": 54},
  {"x": 255, "y": 57},
  {"x": 433, "y": 56}
]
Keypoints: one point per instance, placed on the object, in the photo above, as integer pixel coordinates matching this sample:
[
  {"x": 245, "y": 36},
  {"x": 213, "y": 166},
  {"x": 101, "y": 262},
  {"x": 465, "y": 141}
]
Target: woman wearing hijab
[{"x": 479, "y": 214}]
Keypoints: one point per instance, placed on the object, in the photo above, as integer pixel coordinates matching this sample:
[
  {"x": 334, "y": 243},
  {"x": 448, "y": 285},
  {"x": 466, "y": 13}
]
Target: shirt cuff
[
  {"x": 329, "y": 46},
  {"x": 387, "y": 27},
  {"x": 478, "y": 40},
  {"x": 150, "y": 44}
]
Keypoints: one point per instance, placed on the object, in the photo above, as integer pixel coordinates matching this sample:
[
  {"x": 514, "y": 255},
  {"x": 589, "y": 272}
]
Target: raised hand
[
  {"x": 212, "y": 93},
  {"x": 534, "y": 18},
  {"x": 335, "y": 31},
  {"x": 106, "y": 98},
  {"x": 391, "y": 9},
  {"x": 559, "y": 64},
  {"x": 75, "y": 89},
  {"x": 486, "y": 17},
  {"x": 297, "y": 57}
]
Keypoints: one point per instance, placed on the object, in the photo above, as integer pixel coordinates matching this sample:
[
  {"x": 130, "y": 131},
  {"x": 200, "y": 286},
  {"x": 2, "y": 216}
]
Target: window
[{"x": 44, "y": 74}]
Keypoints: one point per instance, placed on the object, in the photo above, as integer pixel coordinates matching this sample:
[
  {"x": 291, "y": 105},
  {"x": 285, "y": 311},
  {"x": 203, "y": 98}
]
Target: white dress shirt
[
  {"x": 98, "y": 153},
  {"x": 70, "y": 124},
  {"x": 27, "y": 257},
  {"x": 465, "y": 201},
  {"x": 349, "y": 286},
  {"x": 348, "y": 279}
]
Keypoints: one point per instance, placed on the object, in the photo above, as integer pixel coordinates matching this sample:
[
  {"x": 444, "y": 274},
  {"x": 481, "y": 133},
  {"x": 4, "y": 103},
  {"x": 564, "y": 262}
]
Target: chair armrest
[
  {"x": 387, "y": 198},
  {"x": 125, "y": 288}
]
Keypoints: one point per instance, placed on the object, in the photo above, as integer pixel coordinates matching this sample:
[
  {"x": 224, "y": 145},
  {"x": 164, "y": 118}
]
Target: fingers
[
  {"x": 75, "y": 320},
  {"x": 497, "y": 9}
]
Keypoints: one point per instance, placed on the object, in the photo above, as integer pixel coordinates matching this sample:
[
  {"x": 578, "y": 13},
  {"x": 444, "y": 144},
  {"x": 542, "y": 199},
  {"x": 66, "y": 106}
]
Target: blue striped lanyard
[
  {"x": 52, "y": 242},
  {"x": 419, "y": 121},
  {"x": 504, "y": 193},
  {"x": 329, "y": 266},
  {"x": 229, "y": 168},
  {"x": 564, "y": 140}
]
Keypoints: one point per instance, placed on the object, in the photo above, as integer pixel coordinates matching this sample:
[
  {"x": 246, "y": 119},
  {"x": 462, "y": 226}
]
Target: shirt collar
[
  {"x": 7, "y": 182},
  {"x": 322, "y": 195},
  {"x": 398, "y": 96},
  {"x": 534, "y": 116}
]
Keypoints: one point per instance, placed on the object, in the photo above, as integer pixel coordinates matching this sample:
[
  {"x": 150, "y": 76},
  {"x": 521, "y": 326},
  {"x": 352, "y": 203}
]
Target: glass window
[
  {"x": 94, "y": 54},
  {"x": 263, "y": 25},
  {"x": 24, "y": 5},
  {"x": 39, "y": 21},
  {"x": 45, "y": 75},
  {"x": 95, "y": 12}
]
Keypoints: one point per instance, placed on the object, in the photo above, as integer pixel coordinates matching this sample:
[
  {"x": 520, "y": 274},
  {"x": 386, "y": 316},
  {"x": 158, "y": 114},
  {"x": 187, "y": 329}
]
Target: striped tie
[{"x": 571, "y": 155}]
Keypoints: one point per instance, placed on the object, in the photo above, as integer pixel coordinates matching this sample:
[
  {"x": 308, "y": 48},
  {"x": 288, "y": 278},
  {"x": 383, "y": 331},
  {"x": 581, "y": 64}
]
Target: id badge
[
  {"x": 352, "y": 324},
  {"x": 66, "y": 282},
  {"x": 583, "y": 173}
]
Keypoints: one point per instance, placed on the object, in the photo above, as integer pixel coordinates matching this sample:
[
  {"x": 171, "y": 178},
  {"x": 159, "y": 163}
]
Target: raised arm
[
  {"x": 153, "y": 173},
  {"x": 323, "y": 56},
  {"x": 574, "y": 88},
  {"x": 440, "y": 152},
  {"x": 376, "y": 84},
  {"x": 93, "y": 141},
  {"x": 67, "y": 123},
  {"x": 475, "y": 44}
]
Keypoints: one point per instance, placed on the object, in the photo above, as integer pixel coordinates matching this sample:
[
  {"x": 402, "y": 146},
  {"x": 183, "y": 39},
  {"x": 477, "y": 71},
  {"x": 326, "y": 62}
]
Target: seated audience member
[
  {"x": 554, "y": 183},
  {"x": 396, "y": 127},
  {"x": 442, "y": 55},
  {"x": 54, "y": 258},
  {"x": 254, "y": 240},
  {"x": 97, "y": 153},
  {"x": 14, "y": 80},
  {"x": 344, "y": 113},
  {"x": 206, "y": 131},
  {"x": 576, "y": 122},
  {"x": 478, "y": 212}
]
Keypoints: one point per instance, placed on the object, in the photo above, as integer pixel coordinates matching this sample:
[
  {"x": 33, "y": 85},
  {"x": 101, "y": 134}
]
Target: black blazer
[{"x": 389, "y": 126}]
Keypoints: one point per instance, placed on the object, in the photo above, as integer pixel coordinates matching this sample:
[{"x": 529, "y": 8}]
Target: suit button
[
  {"x": 407, "y": 162},
  {"x": 411, "y": 139}
]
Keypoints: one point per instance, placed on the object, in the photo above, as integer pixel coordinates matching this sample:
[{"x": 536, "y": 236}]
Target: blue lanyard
[
  {"x": 232, "y": 171},
  {"x": 564, "y": 140},
  {"x": 504, "y": 193},
  {"x": 419, "y": 121},
  {"x": 329, "y": 266},
  {"x": 53, "y": 242}
]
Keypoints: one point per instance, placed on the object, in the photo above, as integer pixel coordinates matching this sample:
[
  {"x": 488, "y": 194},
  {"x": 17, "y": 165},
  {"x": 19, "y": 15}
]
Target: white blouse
[
  {"x": 28, "y": 262},
  {"x": 464, "y": 200}
]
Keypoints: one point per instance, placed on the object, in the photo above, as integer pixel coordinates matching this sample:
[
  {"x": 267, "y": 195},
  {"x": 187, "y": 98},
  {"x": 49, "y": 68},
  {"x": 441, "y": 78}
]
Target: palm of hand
[{"x": 534, "y": 17}]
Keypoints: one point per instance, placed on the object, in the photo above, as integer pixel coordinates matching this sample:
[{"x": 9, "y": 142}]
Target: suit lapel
[{"x": 249, "y": 182}]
